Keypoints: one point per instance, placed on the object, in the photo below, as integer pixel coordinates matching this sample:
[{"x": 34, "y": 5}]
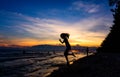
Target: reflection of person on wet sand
[{"x": 65, "y": 37}]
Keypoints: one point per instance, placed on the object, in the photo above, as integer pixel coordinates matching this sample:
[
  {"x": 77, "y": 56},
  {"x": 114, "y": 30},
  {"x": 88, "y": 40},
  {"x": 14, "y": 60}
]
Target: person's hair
[{"x": 64, "y": 35}]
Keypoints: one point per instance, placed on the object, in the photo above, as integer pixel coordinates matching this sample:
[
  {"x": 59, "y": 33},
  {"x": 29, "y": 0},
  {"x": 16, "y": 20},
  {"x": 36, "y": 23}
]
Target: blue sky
[{"x": 33, "y": 22}]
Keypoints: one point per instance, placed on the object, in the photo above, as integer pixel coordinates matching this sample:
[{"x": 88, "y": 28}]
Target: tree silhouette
[{"x": 112, "y": 41}]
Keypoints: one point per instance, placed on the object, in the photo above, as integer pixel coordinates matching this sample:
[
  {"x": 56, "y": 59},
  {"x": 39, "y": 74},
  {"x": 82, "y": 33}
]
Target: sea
[{"x": 33, "y": 64}]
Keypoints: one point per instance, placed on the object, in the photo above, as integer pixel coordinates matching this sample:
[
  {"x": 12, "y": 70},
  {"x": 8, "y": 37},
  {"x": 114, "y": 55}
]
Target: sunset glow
[{"x": 33, "y": 23}]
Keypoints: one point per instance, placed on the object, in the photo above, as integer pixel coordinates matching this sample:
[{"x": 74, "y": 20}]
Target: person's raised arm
[{"x": 61, "y": 41}]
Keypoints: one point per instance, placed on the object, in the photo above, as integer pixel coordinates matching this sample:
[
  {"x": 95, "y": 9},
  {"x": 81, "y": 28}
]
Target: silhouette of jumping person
[{"x": 65, "y": 37}]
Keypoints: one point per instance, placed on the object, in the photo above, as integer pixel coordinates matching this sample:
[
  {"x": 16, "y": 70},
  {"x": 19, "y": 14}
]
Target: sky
[{"x": 35, "y": 22}]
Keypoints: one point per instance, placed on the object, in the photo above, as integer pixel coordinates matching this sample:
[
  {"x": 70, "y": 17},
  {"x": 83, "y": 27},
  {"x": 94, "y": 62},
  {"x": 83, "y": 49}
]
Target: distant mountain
[
  {"x": 59, "y": 48},
  {"x": 48, "y": 47}
]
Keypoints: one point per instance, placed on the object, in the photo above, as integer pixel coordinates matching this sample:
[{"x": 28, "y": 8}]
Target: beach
[
  {"x": 53, "y": 64},
  {"x": 96, "y": 65}
]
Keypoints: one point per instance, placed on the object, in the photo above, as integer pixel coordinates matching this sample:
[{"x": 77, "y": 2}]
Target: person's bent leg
[{"x": 73, "y": 54}]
